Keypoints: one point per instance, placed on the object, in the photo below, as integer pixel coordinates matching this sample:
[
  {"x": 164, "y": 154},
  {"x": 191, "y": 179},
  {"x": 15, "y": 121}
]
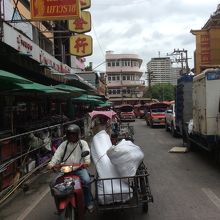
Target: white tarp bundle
[
  {"x": 127, "y": 156},
  {"x": 108, "y": 191}
]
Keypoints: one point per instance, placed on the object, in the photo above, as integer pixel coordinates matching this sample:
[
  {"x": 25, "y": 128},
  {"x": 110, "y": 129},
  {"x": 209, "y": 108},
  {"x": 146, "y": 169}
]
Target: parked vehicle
[
  {"x": 170, "y": 119},
  {"x": 68, "y": 191},
  {"x": 205, "y": 123},
  {"x": 139, "y": 110},
  {"x": 126, "y": 112},
  {"x": 183, "y": 104},
  {"x": 156, "y": 114}
]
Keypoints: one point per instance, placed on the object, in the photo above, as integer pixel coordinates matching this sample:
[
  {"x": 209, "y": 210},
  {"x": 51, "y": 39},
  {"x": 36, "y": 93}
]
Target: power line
[{"x": 98, "y": 41}]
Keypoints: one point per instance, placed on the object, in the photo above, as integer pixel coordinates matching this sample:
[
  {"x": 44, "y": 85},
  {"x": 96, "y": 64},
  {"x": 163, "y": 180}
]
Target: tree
[{"x": 163, "y": 91}]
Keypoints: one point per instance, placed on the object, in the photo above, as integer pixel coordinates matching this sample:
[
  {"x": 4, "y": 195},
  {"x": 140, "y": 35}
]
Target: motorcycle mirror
[{"x": 85, "y": 153}]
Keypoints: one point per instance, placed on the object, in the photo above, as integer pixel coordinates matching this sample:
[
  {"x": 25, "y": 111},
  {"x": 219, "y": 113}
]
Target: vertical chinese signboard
[
  {"x": 205, "y": 49},
  {"x": 81, "y": 24},
  {"x": 81, "y": 44},
  {"x": 55, "y": 9}
]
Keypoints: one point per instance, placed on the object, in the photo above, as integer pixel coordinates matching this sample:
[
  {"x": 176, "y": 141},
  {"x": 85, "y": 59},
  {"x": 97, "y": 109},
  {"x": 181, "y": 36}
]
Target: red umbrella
[{"x": 108, "y": 114}]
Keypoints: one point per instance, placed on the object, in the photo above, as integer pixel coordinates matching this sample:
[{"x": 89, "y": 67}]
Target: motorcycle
[{"x": 68, "y": 191}]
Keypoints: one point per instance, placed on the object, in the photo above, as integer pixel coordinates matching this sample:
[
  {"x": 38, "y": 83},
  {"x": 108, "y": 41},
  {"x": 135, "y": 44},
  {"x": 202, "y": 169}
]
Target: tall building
[
  {"x": 123, "y": 77},
  {"x": 160, "y": 70}
]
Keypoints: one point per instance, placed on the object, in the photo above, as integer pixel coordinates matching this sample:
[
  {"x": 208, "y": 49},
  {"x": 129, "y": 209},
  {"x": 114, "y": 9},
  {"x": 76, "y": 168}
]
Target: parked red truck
[{"x": 156, "y": 114}]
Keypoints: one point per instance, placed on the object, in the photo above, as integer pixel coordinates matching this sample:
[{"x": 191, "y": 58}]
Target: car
[
  {"x": 126, "y": 112},
  {"x": 170, "y": 119},
  {"x": 139, "y": 110},
  {"x": 156, "y": 114}
]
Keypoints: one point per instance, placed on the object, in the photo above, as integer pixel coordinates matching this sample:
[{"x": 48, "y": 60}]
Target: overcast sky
[{"x": 146, "y": 27}]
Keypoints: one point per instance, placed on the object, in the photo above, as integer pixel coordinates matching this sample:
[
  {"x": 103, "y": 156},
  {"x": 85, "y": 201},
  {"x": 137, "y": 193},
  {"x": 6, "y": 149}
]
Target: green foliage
[{"x": 163, "y": 91}]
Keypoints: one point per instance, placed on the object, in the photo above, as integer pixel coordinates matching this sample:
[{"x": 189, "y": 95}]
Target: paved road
[{"x": 185, "y": 186}]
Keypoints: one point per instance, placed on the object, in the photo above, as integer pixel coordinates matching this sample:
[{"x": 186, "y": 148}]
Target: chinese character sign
[
  {"x": 205, "y": 49},
  {"x": 55, "y": 9},
  {"x": 81, "y": 45},
  {"x": 81, "y": 24}
]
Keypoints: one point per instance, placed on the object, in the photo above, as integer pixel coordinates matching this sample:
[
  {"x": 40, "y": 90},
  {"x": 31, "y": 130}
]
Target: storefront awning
[
  {"x": 69, "y": 88},
  {"x": 7, "y": 77},
  {"x": 36, "y": 87},
  {"x": 87, "y": 99}
]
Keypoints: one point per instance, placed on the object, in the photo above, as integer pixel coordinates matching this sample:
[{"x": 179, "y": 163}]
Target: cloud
[{"x": 146, "y": 27}]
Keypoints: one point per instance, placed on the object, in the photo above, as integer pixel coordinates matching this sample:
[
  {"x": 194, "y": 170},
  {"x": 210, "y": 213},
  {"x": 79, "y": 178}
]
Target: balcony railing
[{"x": 126, "y": 83}]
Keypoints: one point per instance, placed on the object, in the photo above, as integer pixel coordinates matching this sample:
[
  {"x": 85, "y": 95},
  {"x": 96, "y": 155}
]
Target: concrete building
[
  {"x": 160, "y": 70},
  {"x": 208, "y": 43},
  {"x": 123, "y": 77}
]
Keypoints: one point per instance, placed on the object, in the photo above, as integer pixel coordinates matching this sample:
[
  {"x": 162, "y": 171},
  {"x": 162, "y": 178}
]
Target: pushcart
[
  {"x": 138, "y": 193},
  {"x": 126, "y": 131}
]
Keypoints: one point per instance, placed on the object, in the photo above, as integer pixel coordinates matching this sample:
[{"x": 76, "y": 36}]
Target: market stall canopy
[
  {"x": 108, "y": 114},
  {"x": 106, "y": 104},
  {"x": 72, "y": 89},
  {"x": 7, "y": 77},
  {"x": 36, "y": 87},
  {"x": 87, "y": 99}
]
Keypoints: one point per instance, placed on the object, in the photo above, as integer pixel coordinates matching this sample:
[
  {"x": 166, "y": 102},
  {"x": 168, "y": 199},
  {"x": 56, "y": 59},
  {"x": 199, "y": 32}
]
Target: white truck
[{"x": 205, "y": 130}]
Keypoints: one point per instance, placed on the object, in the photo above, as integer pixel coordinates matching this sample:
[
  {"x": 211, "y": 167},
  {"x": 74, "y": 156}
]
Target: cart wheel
[{"x": 145, "y": 207}]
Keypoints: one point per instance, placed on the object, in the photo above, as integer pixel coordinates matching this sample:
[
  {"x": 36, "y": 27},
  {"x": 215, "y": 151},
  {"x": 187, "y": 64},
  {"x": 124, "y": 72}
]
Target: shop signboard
[
  {"x": 81, "y": 45},
  {"x": 81, "y": 24},
  {"x": 26, "y": 47},
  {"x": 205, "y": 49},
  {"x": 55, "y": 9}
]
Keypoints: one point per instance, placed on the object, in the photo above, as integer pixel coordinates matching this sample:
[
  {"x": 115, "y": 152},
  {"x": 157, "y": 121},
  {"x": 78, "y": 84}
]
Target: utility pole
[
  {"x": 181, "y": 56},
  {"x": 149, "y": 78}
]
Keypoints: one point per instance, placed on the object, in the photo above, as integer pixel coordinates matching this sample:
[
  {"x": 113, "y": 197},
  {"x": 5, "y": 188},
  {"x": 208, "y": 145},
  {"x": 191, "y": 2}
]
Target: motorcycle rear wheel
[{"x": 70, "y": 213}]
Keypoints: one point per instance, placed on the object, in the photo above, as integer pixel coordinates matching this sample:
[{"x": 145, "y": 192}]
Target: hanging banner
[
  {"x": 55, "y": 9},
  {"x": 81, "y": 45},
  {"x": 81, "y": 24},
  {"x": 85, "y": 4}
]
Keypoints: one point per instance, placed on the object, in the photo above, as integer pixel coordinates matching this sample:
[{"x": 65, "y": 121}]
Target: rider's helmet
[{"x": 73, "y": 128}]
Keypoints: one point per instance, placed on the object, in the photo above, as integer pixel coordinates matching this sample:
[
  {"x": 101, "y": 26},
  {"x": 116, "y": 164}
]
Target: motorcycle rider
[{"x": 69, "y": 152}]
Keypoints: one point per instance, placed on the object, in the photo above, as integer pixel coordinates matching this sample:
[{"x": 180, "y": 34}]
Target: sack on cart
[
  {"x": 126, "y": 156},
  {"x": 108, "y": 190}
]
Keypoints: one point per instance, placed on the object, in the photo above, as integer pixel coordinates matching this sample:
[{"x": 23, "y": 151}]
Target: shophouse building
[
  {"x": 123, "y": 77},
  {"x": 207, "y": 53}
]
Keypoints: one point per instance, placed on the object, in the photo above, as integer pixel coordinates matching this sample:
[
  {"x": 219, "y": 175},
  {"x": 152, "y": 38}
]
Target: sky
[{"x": 148, "y": 28}]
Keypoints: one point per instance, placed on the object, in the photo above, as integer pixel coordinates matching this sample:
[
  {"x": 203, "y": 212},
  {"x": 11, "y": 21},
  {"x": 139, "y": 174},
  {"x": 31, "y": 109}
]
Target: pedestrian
[{"x": 69, "y": 152}]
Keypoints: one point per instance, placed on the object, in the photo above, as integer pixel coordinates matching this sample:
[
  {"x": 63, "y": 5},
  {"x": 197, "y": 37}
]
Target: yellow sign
[
  {"x": 82, "y": 24},
  {"x": 85, "y": 4},
  {"x": 54, "y": 9},
  {"x": 81, "y": 45}
]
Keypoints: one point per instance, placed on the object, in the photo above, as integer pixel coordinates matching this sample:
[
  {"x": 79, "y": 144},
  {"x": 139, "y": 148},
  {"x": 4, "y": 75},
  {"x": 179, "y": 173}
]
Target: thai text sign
[
  {"x": 55, "y": 9},
  {"x": 81, "y": 24},
  {"x": 81, "y": 45}
]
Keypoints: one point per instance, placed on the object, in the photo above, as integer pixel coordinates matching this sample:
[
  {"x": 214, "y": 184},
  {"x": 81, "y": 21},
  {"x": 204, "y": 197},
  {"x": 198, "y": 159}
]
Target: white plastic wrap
[
  {"x": 108, "y": 191},
  {"x": 127, "y": 156}
]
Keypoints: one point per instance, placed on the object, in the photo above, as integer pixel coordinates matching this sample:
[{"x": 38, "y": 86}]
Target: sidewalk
[{"x": 13, "y": 207}]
